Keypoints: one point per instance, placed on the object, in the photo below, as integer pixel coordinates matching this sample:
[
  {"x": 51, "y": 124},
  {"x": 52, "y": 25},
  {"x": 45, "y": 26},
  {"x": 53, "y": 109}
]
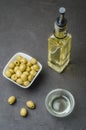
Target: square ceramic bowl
[
  {"x": 59, "y": 102},
  {"x": 28, "y": 57}
]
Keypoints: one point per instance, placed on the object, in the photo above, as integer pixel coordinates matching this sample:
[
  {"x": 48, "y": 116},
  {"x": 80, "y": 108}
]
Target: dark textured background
[{"x": 25, "y": 26}]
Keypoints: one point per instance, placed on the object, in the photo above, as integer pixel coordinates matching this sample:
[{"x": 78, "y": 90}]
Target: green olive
[
  {"x": 26, "y": 73},
  {"x": 36, "y": 67},
  {"x": 8, "y": 73},
  {"x": 28, "y": 69},
  {"x": 30, "y": 104},
  {"x": 23, "y": 60},
  {"x": 14, "y": 77},
  {"x": 11, "y": 100},
  {"x": 30, "y": 77},
  {"x": 17, "y": 63},
  {"x": 24, "y": 77},
  {"x": 11, "y": 71},
  {"x": 11, "y": 65},
  {"x": 22, "y": 67},
  {"x": 33, "y": 72},
  {"x": 26, "y": 83},
  {"x": 33, "y": 61},
  {"x": 19, "y": 58},
  {"x": 18, "y": 73},
  {"x": 32, "y": 67},
  {"x": 23, "y": 112},
  {"x": 19, "y": 81},
  {"x": 29, "y": 63},
  {"x": 16, "y": 68}
]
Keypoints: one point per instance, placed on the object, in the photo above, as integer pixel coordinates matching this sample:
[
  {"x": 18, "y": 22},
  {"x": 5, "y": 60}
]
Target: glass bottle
[{"x": 59, "y": 44}]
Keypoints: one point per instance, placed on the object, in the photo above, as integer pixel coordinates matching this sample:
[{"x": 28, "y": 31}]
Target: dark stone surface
[{"x": 25, "y": 26}]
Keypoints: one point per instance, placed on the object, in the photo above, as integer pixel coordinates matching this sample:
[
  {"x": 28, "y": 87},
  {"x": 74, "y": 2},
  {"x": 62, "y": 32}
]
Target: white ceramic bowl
[
  {"x": 59, "y": 102},
  {"x": 28, "y": 57}
]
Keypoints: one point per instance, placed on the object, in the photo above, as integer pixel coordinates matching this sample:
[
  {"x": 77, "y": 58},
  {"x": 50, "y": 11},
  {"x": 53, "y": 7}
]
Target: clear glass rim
[{"x": 69, "y": 96}]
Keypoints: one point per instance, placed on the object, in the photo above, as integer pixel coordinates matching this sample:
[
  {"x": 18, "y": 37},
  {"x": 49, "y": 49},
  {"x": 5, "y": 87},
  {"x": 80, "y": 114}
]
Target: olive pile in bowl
[{"x": 22, "y": 69}]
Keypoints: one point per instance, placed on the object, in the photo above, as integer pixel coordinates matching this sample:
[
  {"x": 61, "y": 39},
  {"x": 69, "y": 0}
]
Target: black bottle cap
[{"x": 61, "y": 20}]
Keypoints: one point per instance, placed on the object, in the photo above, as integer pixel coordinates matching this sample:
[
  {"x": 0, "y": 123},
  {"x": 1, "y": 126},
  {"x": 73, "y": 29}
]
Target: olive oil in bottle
[{"x": 59, "y": 44}]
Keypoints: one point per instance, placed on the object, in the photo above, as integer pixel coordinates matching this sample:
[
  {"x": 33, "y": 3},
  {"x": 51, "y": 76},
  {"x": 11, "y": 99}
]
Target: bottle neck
[{"x": 60, "y": 32}]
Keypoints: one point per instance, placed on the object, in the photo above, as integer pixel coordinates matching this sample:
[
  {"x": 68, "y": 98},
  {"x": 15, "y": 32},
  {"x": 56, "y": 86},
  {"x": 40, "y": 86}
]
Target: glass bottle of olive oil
[{"x": 59, "y": 44}]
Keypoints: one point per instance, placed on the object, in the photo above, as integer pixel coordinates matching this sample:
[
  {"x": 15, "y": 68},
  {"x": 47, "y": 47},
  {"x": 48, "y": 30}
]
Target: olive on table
[
  {"x": 30, "y": 104},
  {"x": 11, "y": 100},
  {"x": 23, "y": 112}
]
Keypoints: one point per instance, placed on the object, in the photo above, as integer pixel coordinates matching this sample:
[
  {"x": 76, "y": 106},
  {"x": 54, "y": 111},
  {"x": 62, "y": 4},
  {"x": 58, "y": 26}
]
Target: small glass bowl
[{"x": 60, "y": 102}]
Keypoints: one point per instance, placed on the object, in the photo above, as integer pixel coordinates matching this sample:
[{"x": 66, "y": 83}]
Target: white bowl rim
[{"x": 11, "y": 59}]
